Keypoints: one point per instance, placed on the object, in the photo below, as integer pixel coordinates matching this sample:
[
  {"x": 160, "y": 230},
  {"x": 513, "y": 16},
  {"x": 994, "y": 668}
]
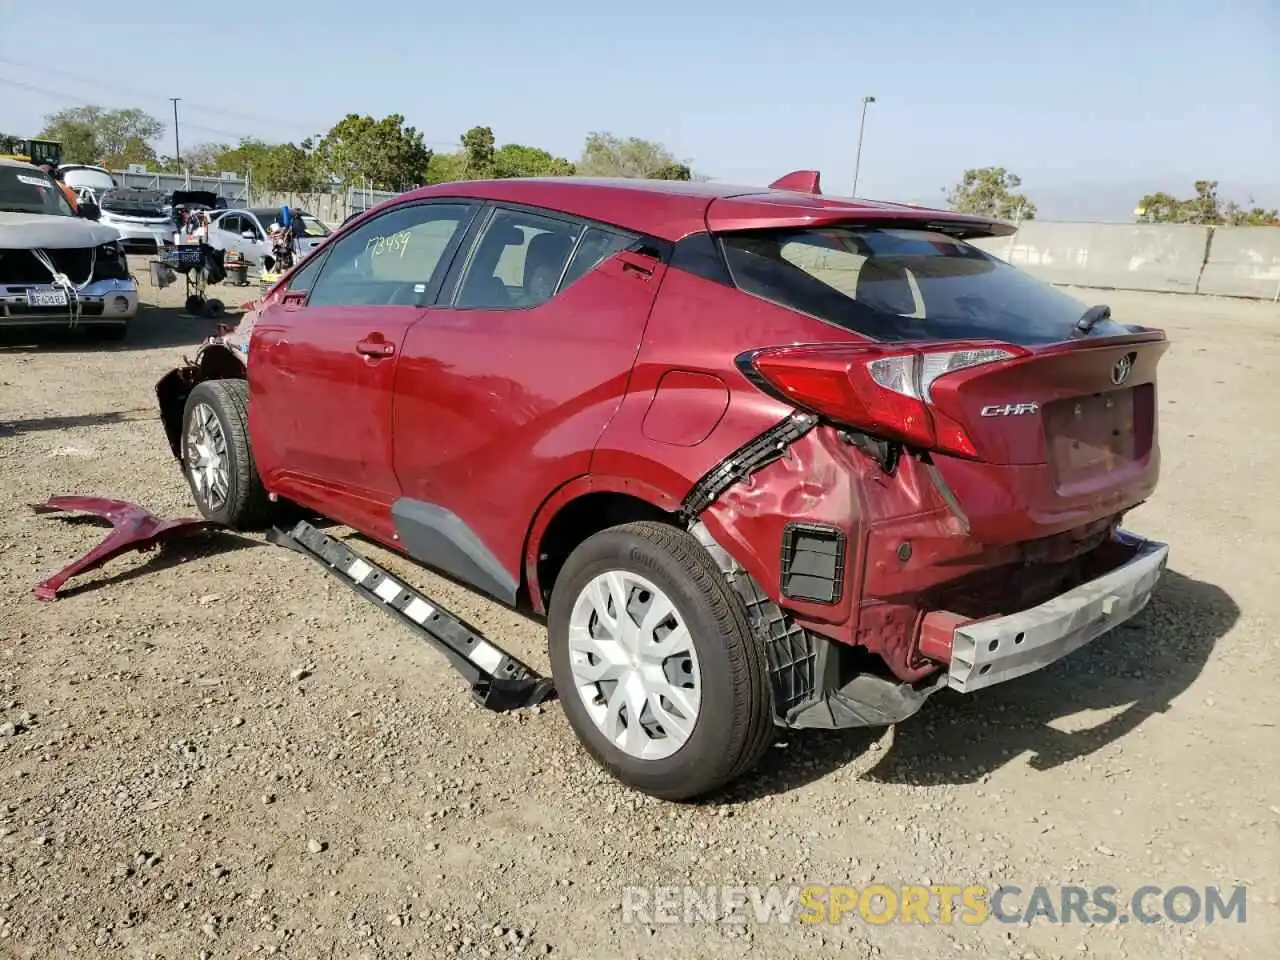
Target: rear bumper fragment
[{"x": 987, "y": 652}]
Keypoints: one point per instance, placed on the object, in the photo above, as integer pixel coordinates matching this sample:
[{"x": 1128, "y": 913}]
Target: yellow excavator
[{"x": 32, "y": 150}]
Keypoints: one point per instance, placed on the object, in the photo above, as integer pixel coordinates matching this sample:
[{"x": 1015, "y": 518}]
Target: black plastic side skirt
[{"x": 498, "y": 680}]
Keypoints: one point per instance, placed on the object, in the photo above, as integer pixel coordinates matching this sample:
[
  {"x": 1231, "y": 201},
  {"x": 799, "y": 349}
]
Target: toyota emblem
[{"x": 1120, "y": 372}]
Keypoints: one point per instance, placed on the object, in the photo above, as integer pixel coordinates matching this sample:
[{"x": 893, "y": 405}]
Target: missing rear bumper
[{"x": 987, "y": 652}]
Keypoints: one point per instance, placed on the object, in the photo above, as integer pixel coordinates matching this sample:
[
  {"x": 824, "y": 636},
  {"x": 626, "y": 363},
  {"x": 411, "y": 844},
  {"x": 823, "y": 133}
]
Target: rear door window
[
  {"x": 902, "y": 284},
  {"x": 597, "y": 245},
  {"x": 519, "y": 261}
]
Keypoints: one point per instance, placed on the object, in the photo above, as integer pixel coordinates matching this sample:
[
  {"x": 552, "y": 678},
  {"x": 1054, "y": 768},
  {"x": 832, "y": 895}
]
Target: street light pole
[
  {"x": 857, "y": 163},
  {"x": 177, "y": 150}
]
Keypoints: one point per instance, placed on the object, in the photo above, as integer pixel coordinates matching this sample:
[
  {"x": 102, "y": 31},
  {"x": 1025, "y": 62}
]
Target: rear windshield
[{"x": 902, "y": 284}]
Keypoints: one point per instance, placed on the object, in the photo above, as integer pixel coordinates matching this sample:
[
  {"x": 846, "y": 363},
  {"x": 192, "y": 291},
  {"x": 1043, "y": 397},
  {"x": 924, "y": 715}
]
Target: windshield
[
  {"x": 313, "y": 227},
  {"x": 45, "y": 151},
  {"x": 80, "y": 177},
  {"x": 902, "y": 284},
  {"x": 141, "y": 203},
  {"x": 27, "y": 190}
]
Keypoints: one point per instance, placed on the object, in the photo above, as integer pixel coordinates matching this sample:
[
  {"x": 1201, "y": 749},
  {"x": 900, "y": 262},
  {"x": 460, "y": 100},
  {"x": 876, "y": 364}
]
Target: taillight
[{"x": 884, "y": 390}]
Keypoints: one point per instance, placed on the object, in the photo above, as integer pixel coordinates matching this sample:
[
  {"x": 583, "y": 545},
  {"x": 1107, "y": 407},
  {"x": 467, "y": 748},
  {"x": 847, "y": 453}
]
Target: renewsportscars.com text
[{"x": 932, "y": 904}]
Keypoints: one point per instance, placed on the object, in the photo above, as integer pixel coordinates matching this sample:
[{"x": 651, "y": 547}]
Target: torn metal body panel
[
  {"x": 132, "y": 528},
  {"x": 875, "y": 593},
  {"x": 222, "y": 357}
]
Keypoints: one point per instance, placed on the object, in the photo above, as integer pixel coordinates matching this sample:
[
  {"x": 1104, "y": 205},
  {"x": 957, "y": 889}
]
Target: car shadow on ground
[
  {"x": 1130, "y": 674},
  {"x": 154, "y": 328},
  {"x": 131, "y": 566},
  {"x": 11, "y": 428}
]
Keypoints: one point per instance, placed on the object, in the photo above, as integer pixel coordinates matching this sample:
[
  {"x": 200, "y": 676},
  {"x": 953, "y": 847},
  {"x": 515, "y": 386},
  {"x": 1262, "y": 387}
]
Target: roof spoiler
[{"x": 799, "y": 181}]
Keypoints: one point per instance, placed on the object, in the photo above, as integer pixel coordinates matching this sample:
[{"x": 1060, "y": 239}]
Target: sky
[{"x": 1092, "y": 103}]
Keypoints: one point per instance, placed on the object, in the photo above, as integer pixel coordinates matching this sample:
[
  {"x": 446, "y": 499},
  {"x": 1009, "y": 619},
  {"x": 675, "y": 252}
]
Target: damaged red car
[{"x": 760, "y": 457}]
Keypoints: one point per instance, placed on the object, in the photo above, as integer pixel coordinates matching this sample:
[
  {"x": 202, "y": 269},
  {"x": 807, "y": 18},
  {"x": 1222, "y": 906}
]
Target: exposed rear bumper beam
[
  {"x": 987, "y": 652},
  {"x": 983, "y": 653}
]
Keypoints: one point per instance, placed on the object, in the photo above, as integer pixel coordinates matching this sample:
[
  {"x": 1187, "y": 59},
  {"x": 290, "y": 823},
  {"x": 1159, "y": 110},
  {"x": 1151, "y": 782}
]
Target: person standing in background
[{"x": 66, "y": 190}]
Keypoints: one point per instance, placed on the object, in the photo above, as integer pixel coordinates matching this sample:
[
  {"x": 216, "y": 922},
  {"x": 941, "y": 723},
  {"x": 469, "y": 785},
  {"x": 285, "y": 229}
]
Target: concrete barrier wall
[
  {"x": 1243, "y": 262},
  {"x": 1168, "y": 258},
  {"x": 1159, "y": 257}
]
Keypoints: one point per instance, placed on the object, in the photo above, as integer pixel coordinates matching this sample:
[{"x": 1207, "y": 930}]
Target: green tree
[
  {"x": 518, "y": 160},
  {"x": 672, "y": 171},
  {"x": 447, "y": 167},
  {"x": 990, "y": 192},
  {"x": 283, "y": 167},
  {"x": 288, "y": 168},
  {"x": 113, "y": 138},
  {"x": 201, "y": 159},
  {"x": 477, "y": 149},
  {"x": 1250, "y": 215},
  {"x": 606, "y": 155},
  {"x": 245, "y": 159},
  {"x": 1204, "y": 208},
  {"x": 384, "y": 153}
]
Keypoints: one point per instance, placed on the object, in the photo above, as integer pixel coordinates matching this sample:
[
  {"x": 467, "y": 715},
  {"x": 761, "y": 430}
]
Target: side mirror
[
  {"x": 88, "y": 210},
  {"x": 249, "y": 235}
]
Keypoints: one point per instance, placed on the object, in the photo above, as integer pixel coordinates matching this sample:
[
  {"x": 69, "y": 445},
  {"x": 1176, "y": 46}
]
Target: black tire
[
  {"x": 213, "y": 309},
  {"x": 194, "y": 305},
  {"x": 246, "y": 505},
  {"x": 734, "y": 726}
]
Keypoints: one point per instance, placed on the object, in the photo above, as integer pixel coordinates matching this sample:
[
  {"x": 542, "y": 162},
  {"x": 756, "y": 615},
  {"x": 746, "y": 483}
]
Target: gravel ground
[{"x": 217, "y": 751}]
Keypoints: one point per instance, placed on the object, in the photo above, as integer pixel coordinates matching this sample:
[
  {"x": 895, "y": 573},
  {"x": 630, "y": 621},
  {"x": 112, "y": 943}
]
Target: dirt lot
[{"x": 171, "y": 786}]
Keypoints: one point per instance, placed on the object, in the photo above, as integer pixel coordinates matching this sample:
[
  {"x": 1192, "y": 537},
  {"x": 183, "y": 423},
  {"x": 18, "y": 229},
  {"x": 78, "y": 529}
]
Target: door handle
[
  {"x": 370, "y": 347},
  {"x": 637, "y": 264}
]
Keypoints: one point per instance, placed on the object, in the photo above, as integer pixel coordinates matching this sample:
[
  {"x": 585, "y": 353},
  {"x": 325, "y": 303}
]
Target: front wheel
[
  {"x": 658, "y": 671},
  {"x": 217, "y": 457}
]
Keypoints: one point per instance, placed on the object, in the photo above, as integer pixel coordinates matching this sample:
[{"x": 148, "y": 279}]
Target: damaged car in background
[
  {"x": 141, "y": 217},
  {"x": 760, "y": 458},
  {"x": 59, "y": 268}
]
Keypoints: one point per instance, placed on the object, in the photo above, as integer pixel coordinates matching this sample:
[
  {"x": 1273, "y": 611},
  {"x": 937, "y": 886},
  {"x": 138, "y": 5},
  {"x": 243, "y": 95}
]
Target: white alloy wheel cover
[{"x": 634, "y": 665}]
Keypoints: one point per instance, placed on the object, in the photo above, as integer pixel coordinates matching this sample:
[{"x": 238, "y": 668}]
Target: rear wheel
[
  {"x": 657, "y": 668},
  {"x": 217, "y": 457}
]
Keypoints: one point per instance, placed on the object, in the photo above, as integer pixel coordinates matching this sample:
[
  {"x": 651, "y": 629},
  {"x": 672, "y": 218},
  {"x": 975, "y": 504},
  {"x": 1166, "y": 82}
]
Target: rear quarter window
[{"x": 902, "y": 284}]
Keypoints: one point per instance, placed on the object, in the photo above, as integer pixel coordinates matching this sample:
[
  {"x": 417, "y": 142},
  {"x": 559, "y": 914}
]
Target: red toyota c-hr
[{"x": 760, "y": 457}]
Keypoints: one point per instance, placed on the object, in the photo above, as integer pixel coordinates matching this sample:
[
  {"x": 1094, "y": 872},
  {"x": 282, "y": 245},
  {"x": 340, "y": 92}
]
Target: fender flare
[{"x": 566, "y": 493}]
